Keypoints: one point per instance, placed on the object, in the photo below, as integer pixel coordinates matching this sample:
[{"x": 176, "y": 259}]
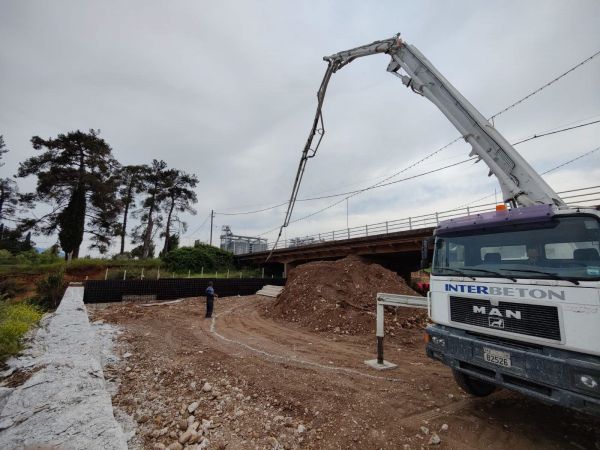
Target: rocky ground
[{"x": 248, "y": 381}]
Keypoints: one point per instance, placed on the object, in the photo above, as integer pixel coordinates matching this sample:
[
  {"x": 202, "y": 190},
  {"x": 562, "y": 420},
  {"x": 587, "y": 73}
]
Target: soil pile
[{"x": 339, "y": 296}]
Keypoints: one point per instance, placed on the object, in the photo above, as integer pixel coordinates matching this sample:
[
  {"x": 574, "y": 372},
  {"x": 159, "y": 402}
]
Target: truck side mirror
[{"x": 425, "y": 252}]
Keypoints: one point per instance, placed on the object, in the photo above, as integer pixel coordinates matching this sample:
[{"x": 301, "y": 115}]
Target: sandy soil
[{"x": 265, "y": 383}]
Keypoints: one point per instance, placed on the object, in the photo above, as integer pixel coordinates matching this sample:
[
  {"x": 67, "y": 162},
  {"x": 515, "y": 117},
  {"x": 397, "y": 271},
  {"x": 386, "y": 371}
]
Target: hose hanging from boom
[
  {"x": 318, "y": 127},
  {"x": 334, "y": 62}
]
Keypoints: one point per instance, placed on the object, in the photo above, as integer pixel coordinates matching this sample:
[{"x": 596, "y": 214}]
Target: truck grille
[{"x": 532, "y": 320}]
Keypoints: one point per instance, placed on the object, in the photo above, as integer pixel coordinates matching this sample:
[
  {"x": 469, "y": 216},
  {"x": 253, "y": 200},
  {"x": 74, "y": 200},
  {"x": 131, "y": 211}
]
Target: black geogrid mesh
[{"x": 100, "y": 291}]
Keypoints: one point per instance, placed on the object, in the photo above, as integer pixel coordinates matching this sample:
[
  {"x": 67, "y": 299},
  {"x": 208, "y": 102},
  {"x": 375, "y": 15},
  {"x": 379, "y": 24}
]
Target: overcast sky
[{"x": 227, "y": 90}]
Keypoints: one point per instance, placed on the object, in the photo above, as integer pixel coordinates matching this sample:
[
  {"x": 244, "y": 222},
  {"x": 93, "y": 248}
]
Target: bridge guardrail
[{"x": 589, "y": 196}]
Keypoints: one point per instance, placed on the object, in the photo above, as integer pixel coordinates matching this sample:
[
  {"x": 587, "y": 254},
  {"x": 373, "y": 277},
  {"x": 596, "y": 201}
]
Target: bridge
[
  {"x": 398, "y": 251},
  {"x": 394, "y": 244}
]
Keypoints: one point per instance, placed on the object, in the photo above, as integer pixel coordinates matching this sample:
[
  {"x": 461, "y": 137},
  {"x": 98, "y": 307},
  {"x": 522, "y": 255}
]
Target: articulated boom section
[{"x": 521, "y": 184}]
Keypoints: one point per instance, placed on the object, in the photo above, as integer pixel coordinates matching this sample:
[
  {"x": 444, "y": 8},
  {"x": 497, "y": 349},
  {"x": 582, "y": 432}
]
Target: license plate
[{"x": 496, "y": 357}]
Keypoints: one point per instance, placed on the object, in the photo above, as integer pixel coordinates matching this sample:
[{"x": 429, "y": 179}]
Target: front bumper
[{"x": 550, "y": 375}]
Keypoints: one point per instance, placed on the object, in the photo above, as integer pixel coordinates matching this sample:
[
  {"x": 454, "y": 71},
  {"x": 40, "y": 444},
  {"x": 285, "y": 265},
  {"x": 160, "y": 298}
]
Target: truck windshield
[{"x": 563, "y": 248}]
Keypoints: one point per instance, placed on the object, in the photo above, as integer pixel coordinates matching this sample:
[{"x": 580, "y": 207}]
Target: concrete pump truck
[{"x": 514, "y": 296}]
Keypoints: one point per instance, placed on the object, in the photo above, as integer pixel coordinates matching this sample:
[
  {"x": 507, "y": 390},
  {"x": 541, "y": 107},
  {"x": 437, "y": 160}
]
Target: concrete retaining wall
[{"x": 65, "y": 403}]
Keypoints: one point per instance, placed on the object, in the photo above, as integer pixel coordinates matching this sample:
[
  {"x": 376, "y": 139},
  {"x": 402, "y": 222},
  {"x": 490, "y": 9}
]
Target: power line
[
  {"x": 536, "y": 136},
  {"x": 551, "y": 82},
  {"x": 200, "y": 227},
  {"x": 571, "y": 160},
  {"x": 382, "y": 182},
  {"x": 354, "y": 193},
  {"x": 252, "y": 212},
  {"x": 360, "y": 191},
  {"x": 426, "y": 173},
  {"x": 319, "y": 116},
  {"x": 318, "y": 120}
]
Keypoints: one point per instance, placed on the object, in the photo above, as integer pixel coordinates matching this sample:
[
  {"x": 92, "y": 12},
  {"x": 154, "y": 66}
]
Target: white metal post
[{"x": 380, "y": 333}]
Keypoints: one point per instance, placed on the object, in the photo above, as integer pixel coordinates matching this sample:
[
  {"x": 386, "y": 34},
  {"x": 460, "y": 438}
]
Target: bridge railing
[{"x": 589, "y": 196}]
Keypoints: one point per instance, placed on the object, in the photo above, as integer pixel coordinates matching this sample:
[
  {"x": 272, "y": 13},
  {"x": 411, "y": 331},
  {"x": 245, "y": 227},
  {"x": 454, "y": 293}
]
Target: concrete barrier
[{"x": 64, "y": 404}]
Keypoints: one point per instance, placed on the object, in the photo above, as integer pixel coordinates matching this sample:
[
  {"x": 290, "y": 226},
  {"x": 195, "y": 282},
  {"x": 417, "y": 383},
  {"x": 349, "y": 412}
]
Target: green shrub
[
  {"x": 50, "y": 290},
  {"x": 15, "y": 320},
  {"x": 197, "y": 257}
]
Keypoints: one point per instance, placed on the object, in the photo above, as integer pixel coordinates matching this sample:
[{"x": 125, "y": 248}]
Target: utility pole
[
  {"x": 347, "y": 226},
  {"x": 212, "y": 216}
]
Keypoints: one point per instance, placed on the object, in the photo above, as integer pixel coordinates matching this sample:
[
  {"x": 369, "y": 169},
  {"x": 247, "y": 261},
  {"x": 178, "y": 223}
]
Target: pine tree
[
  {"x": 131, "y": 183},
  {"x": 76, "y": 174},
  {"x": 155, "y": 183},
  {"x": 180, "y": 197}
]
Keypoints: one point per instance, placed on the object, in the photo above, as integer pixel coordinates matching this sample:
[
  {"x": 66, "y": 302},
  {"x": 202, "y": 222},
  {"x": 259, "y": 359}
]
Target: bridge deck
[{"x": 399, "y": 242}]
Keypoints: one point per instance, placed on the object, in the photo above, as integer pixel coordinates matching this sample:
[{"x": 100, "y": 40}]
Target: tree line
[{"x": 90, "y": 193}]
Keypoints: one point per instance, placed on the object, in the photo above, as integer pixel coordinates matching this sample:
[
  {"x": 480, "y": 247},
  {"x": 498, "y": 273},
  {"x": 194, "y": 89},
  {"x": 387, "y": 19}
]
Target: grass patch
[{"x": 15, "y": 320}]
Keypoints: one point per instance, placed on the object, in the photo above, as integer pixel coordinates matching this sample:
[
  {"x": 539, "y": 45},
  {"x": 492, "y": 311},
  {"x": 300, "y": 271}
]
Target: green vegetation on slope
[
  {"x": 15, "y": 320},
  {"x": 198, "y": 257}
]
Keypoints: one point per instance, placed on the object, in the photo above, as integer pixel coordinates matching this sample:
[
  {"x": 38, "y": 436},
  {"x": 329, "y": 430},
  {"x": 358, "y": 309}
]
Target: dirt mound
[{"x": 339, "y": 296}]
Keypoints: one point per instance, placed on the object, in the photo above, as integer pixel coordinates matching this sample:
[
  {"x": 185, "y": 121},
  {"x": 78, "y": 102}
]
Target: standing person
[{"x": 210, "y": 299}]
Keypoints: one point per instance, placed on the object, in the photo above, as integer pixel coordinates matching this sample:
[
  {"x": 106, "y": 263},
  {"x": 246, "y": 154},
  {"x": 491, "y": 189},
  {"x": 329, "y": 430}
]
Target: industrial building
[{"x": 241, "y": 245}]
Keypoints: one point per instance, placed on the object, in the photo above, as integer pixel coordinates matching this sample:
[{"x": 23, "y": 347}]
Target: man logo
[
  {"x": 509, "y": 314},
  {"x": 495, "y": 322}
]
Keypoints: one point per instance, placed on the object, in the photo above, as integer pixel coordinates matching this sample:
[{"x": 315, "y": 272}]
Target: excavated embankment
[{"x": 339, "y": 296}]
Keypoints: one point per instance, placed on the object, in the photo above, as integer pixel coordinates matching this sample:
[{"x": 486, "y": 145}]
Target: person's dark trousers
[{"x": 209, "y": 306}]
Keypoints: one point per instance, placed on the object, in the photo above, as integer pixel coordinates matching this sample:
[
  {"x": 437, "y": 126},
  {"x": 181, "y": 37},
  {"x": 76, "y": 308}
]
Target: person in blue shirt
[{"x": 210, "y": 299}]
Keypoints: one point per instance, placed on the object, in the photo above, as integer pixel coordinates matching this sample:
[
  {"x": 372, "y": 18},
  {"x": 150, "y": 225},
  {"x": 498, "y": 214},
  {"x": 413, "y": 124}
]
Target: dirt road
[{"x": 260, "y": 383}]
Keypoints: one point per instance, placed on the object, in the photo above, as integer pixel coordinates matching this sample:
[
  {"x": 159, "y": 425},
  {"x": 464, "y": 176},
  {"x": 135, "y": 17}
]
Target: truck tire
[{"x": 473, "y": 386}]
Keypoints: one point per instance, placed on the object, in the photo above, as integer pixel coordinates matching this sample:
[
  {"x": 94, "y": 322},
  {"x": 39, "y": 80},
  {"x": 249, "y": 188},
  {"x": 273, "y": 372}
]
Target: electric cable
[
  {"x": 199, "y": 228},
  {"x": 551, "y": 82},
  {"x": 562, "y": 130},
  {"x": 354, "y": 193},
  {"x": 333, "y": 65},
  {"x": 572, "y": 160},
  {"x": 382, "y": 182}
]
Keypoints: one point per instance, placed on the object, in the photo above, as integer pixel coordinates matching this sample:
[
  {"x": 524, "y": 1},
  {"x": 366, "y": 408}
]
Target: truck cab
[{"x": 515, "y": 303}]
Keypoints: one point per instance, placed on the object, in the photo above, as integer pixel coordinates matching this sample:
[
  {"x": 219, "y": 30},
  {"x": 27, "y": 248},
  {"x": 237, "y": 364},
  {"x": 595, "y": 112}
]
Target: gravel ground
[{"x": 247, "y": 381}]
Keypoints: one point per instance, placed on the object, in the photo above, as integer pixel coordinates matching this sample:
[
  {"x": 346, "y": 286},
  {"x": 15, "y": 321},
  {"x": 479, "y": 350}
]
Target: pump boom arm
[{"x": 521, "y": 184}]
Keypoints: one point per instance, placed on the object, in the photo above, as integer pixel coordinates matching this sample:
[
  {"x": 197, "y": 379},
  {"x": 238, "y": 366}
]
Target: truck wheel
[{"x": 473, "y": 386}]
